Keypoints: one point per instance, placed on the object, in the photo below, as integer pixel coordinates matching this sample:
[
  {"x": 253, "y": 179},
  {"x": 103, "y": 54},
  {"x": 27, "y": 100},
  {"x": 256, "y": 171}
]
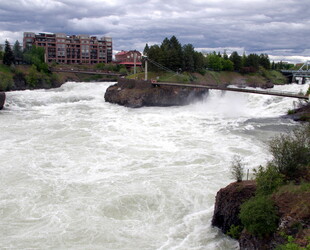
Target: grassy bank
[
  {"x": 24, "y": 76},
  {"x": 18, "y": 77},
  {"x": 259, "y": 78}
]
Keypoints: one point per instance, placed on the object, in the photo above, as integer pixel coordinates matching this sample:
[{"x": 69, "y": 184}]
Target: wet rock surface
[
  {"x": 139, "y": 93},
  {"x": 228, "y": 201},
  {"x": 2, "y": 100}
]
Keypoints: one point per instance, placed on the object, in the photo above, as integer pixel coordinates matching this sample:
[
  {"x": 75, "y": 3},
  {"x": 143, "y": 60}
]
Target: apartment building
[
  {"x": 73, "y": 49},
  {"x": 129, "y": 58}
]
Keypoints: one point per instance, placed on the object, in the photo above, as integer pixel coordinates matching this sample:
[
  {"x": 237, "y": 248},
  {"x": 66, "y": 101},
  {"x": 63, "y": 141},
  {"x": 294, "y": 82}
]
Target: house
[{"x": 129, "y": 58}]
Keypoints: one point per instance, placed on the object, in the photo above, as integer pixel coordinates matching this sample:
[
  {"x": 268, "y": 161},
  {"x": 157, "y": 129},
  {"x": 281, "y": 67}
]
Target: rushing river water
[{"x": 79, "y": 173}]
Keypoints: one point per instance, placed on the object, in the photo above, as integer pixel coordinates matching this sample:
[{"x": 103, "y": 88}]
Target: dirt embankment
[{"x": 255, "y": 80}]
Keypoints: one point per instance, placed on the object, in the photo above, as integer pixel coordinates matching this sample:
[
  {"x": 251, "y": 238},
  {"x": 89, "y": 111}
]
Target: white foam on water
[{"x": 79, "y": 173}]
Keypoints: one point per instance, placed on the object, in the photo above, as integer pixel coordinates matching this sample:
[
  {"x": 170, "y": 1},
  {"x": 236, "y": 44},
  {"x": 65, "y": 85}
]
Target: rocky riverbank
[
  {"x": 300, "y": 114},
  {"x": 139, "y": 93},
  {"x": 293, "y": 211},
  {"x": 2, "y": 100}
]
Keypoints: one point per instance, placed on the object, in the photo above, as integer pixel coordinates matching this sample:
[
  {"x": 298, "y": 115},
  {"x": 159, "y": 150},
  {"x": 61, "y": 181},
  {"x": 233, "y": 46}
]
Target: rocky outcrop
[
  {"x": 2, "y": 100},
  {"x": 228, "y": 201},
  {"x": 293, "y": 211},
  {"x": 139, "y": 93},
  {"x": 300, "y": 114}
]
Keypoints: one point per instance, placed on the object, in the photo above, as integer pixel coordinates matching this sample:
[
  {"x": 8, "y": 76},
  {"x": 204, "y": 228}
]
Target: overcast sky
[{"x": 280, "y": 28}]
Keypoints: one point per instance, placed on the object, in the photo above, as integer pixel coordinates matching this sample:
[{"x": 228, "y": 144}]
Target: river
[{"x": 79, "y": 173}]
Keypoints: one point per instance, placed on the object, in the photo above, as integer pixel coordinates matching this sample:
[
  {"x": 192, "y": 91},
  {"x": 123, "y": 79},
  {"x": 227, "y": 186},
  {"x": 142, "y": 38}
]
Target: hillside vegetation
[
  {"x": 279, "y": 212},
  {"x": 262, "y": 78}
]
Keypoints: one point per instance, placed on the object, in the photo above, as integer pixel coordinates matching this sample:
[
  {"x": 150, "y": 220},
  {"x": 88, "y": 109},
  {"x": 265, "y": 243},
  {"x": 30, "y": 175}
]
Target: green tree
[
  {"x": 214, "y": 62},
  {"x": 8, "y": 57},
  {"x": 18, "y": 54},
  {"x": 237, "y": 168},
  {"x": 146, "y": 49},
  {"x": 252, "y": 61},
  {"x": 35, "y": 55},
  {"x": 291, "y": 152},
  {"x": 1, "y": 53},
  {"x": 237, "y": 60},
  {"x": 225, "y": 56},
  {"x": 227, "y": 65},
  {"x": 199, "y": 62},
  {"x": 264, "y": 61},
  {"x": 155, "y": 53},
  {"x": 33, "y": 77},
  {"x": 188, "y": 57},
  {"x": 174, "y": 54}
]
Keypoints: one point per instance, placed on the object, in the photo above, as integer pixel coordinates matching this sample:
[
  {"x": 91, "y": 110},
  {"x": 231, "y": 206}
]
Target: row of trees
[
  {"x": 39, "y": 72},
  {"x": 33, "y": 55},
  {"x": 176, "y": 57}
]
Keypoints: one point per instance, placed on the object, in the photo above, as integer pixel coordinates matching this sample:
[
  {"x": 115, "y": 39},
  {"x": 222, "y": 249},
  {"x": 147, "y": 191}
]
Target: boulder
[
  {"x": 228, "y": 201},
  {"x": 139, "y": 93},
  {"x": 2, "y": 100}
]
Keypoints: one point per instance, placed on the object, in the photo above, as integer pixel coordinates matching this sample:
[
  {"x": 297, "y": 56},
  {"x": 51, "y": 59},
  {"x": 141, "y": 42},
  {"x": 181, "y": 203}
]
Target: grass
[
  {"x": 293, "y": 188},
  {"x": 276, "y": 77},
  {"x": 5, "y": 68},
  {"x": 163, "y": 76}
]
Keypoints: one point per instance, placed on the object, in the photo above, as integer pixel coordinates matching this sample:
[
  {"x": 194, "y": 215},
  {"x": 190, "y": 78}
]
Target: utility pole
[
  {"x": 145, "y": 78},
  {"x": 135, "y": 62}
]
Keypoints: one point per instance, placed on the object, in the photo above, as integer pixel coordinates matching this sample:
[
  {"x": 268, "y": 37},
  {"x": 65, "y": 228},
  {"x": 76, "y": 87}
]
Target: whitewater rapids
[{"x": 79, "y": 173}]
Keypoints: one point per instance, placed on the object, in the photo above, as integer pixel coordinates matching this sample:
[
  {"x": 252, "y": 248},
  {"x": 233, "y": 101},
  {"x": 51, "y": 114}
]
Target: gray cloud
[{"x": 281, "y": 28}]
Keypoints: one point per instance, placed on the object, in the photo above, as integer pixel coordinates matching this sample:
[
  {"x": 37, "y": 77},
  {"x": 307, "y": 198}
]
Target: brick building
[
  {"x": 128, "y": 58},
  {"x": 74, "y": 49}
]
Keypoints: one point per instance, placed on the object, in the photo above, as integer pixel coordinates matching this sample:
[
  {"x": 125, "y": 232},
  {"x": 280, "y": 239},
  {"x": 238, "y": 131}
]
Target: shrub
[
  {"x": 291, "y": 153},
  {"x": 235, "y": 231},
  {"x": 268, "y": 180},
  {"x": 32, "y": 78},
  {"x": 6, "y": 82},
  {"x": 237, "y": 168},
  {"x": 123, "y": 71},
  {"x": 100, "y": 66},
  {"x": 290, "y": 112},
  {"x": 290, "y": 245},
  {"x": 258, "y": 215}
]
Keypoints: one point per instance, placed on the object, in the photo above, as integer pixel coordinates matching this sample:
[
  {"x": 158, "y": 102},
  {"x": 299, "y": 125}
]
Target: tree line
[
  {"x": 32, "y": 56},
  {"x": 176, "y": 57},
  {"x": 39, "y": 72}
]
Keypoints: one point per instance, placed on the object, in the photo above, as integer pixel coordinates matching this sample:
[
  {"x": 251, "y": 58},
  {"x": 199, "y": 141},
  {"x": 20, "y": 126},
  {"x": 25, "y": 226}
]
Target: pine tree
[
  {"x": 146, "y": 49},
  {"x": 188, "y": 57},
  {"x": 237, "y": 60},
  {"x": 1, "y": 53},
  {"x": 18, "y": 54},
  {"x": 8, "y": 57}
]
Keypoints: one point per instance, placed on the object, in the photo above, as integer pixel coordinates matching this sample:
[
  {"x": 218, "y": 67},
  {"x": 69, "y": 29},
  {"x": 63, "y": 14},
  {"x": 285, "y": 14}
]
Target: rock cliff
[
  {"x": 228, "y": 201},
  {"x": 293, "y": 205},
  {"x": 138, "y": 93},
  {"x": 2, "y": 100}
]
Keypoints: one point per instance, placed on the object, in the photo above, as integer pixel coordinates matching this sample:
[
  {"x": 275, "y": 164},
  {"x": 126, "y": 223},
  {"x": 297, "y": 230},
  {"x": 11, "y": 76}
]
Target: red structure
[
  {"x": 81, "y": 49},
  {"x": 128, "y": 58}
]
